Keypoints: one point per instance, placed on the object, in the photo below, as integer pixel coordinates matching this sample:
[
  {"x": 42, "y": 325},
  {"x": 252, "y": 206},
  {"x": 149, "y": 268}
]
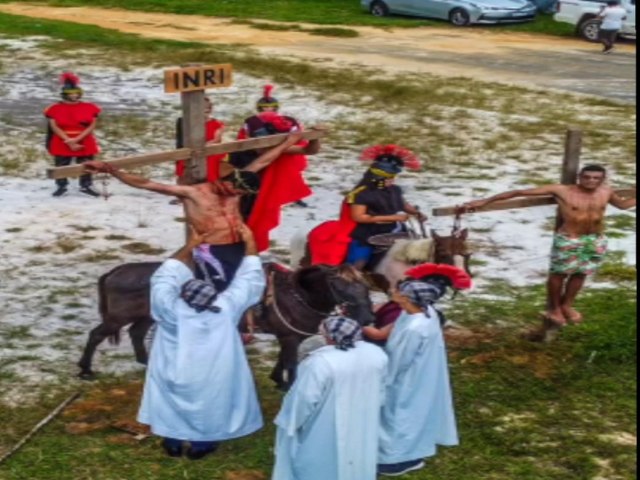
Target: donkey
[
  {"x": 297, "y": 301},
  {"x": 123, "y": 295},
  {"x": 123, "y": 299}
]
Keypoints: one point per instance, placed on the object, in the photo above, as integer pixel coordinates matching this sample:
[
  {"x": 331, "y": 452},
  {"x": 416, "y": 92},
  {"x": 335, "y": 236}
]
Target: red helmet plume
[
  {"x": 68, "y": 79},
  {"x": 394, "y": 154},
  {"x": 460, "y": 280},
  {"x": 267, "y": 101}
]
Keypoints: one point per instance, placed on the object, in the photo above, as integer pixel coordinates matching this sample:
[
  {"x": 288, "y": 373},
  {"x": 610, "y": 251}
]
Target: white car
[{"x": 584, "y": 15}]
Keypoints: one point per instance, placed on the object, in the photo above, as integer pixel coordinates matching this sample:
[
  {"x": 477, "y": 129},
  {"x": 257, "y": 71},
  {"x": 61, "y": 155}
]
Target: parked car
[
  {"x": 584, "y": 15},
  {"x": 458, "y": 12}
]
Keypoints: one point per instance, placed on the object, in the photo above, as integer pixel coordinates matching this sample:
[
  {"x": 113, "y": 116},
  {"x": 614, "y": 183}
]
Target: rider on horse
[{"x": 372, "y": 208}]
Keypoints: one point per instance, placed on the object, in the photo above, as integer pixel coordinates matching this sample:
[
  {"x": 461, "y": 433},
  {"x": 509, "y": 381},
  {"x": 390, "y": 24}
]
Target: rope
[{"x": 284, "y": 320}]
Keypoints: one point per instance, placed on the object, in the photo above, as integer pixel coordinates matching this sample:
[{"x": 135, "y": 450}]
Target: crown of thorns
[{"x": 391, "y": 154}]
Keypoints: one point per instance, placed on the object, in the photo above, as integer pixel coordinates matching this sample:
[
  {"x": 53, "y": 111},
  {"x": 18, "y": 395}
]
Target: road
[{"x": 539, "y": 61}]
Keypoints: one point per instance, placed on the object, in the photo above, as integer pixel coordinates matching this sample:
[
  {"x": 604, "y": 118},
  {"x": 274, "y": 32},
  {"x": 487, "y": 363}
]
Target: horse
[
  {"x": 296, "y": 302},
  {"x": 399, "y": 252},
  {"x": 124, "y": 299}
]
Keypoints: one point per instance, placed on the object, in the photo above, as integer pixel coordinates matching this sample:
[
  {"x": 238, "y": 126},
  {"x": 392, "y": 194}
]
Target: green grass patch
[{"x": 525, "y": 410}]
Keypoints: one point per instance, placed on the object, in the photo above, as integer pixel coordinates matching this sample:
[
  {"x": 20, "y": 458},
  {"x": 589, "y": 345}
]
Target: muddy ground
[{"x": 533, "y": 60}]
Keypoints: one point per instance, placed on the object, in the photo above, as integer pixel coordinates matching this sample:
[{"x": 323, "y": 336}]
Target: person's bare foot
[
  {"x": 556, "y": 316},
  {"x": 571, "y": 314}
]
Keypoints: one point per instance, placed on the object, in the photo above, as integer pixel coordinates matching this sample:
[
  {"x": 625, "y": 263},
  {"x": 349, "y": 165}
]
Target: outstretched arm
[
  {"x": 268, "y": 157},
  {"x": 378, "y": 334},
  {"x": 531, "y": 192},
  {"x": 137, "y": 181},
  {"x": 310, "y": 148},
  {"x": 185, "y": 253},
  {"x": 623, "y": 203}
]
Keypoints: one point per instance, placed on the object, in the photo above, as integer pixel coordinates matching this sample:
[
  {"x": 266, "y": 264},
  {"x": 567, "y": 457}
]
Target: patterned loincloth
[{"x": 582, "y": 255}]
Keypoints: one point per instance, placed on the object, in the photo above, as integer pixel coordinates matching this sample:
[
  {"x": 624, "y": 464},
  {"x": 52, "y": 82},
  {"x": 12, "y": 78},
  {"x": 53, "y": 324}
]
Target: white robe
[
  {"x": 199, "y": 386},
  {"x": 418, "y": 411},
  {"x": 329, "y": 422}
]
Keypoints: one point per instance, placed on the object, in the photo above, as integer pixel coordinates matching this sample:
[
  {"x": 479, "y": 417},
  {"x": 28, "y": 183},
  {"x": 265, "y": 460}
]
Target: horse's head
[
  {"x": 453, "y": 250},
  {"x": 351, "y": 293}
]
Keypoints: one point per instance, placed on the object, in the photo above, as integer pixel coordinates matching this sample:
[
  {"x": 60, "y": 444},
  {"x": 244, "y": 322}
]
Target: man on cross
[
  {"x": 579, "y": 242},
  {"x": 213, "y": 208}
]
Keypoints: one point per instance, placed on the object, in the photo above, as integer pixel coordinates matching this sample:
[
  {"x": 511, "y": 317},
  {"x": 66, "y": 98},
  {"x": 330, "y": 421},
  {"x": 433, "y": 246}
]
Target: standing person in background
[
  {"x": 612, "y": 17},
  {"x": 214, "y": 130},
  {"x": 329, "y": 422},
  {"x": 255, "y": 126},
  {"x": 70, "y": 127}
]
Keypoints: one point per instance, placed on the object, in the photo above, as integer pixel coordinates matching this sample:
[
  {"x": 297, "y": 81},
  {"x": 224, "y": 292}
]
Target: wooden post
[
  {"x": 569, "y": 176},
  {"x": 570, "y": 162},
  {"x": 194, "y": 135}
]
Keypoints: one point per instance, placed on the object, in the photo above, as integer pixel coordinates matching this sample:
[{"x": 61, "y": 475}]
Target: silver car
[{"x": 458, "y": 12}]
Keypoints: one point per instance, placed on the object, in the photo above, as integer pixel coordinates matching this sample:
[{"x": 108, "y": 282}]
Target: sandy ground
[{"x": 532, "y": 60}]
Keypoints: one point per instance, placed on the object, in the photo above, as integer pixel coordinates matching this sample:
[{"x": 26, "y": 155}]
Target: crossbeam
[
  {"x": 516, "y": 203},
  {"x": 185, "y": 153}
]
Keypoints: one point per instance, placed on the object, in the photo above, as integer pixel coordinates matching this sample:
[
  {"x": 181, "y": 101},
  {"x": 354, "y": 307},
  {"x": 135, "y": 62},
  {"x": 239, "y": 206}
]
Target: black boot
[
  {"x": 89, "y": 191},
  {"x": 61, "y": 190}
]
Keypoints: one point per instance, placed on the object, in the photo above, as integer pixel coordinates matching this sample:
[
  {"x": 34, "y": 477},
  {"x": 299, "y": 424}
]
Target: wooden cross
[
  {"x": 190, "y": 82},
  {"x": 569, "y": 176}
]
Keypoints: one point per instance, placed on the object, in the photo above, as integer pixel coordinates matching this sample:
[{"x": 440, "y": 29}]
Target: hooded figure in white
[
  {"x": 329, "y": 422},
  {"x": 418, "y": 413},
  {"x": 199, "y": 386}
]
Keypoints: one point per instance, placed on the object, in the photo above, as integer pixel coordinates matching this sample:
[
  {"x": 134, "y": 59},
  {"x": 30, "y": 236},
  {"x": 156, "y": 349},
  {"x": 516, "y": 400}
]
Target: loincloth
[
  {"x": 577, "y": 256},
  {"x": 218, "y": 264}
]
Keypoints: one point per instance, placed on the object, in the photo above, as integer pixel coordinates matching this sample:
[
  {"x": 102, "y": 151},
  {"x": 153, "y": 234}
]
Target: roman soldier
[
  {"x": 71, "y": 123},
  {"x": 375, "y": 206},
  {"x": 282, "y": 181}
]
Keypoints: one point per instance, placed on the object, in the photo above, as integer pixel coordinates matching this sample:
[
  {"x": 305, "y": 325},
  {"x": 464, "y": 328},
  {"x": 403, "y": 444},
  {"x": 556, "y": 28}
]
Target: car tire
[
  {"x": 459, "y": 17},
  {"x": 379, "y": 9},
  {"x": 590, "y": 30}
]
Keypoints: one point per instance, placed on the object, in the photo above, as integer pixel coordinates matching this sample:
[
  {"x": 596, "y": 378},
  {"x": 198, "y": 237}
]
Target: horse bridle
[{"x": 340, "y": 307}]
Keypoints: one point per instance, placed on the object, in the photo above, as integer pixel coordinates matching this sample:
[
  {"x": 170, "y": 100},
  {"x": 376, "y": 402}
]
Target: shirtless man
[
  {"x": 579, "y": 243},
  {"x": 213, "y": 209}
]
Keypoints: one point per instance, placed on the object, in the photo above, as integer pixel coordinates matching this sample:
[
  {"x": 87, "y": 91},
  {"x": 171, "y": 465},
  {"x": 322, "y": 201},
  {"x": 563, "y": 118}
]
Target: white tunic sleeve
[
  {"x": 305, "y": 397},
  {"x": 165, "y": 288},
  {"x": 246, "y": 289}
]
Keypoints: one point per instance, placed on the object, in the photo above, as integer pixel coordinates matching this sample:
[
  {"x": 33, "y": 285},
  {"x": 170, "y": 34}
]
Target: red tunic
[
  {"x": 213, "y": 161},
  {"x": 73, "y": 119},
  {"x": 281, "y": 183}
]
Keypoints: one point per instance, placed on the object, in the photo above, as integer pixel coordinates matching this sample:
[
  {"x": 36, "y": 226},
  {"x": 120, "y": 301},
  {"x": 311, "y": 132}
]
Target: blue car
[{"x": 458, "y": 12}]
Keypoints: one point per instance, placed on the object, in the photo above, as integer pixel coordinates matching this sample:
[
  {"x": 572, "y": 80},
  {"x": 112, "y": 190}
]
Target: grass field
[
  {"x": 323, "y": 12},
  {"x": 526, "y": 411}
]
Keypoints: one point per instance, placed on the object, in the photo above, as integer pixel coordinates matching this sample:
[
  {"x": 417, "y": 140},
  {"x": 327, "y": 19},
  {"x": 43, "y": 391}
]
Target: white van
[{"x": 583, "y": 14}]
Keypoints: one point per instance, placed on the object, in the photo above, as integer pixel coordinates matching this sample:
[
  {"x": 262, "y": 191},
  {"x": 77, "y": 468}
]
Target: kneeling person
[{"x": 199, "y": 387}]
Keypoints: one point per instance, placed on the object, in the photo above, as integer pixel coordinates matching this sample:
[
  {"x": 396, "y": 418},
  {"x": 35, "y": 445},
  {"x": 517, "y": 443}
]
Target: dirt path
[{"x": 532, "y": 60}]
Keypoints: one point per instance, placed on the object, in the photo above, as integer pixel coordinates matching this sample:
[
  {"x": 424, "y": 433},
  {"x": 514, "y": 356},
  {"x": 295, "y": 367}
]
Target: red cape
[
  {"x": 281, "y": 183},
  {"x": 329, "y": 241}
]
